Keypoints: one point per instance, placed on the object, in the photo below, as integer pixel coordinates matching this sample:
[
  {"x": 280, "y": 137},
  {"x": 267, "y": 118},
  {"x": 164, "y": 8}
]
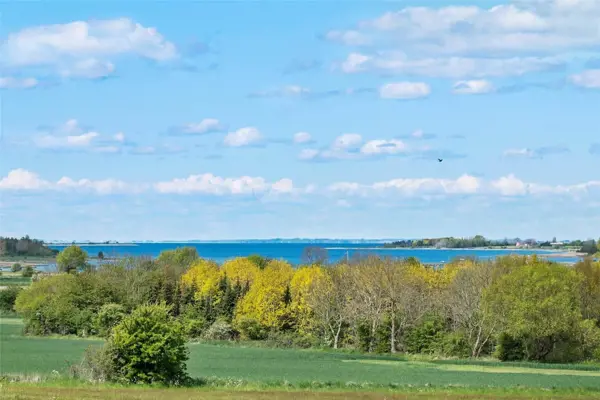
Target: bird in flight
[{"x": 440, "y": 159}]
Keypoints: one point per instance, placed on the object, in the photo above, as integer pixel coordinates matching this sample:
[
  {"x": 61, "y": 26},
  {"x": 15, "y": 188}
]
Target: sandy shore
[{"x": 566, "y": 254}]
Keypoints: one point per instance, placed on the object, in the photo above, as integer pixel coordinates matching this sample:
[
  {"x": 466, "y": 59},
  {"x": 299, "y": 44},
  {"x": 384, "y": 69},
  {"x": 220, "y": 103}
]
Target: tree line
[
  {"x": 512, "y": 308},
  {"x": 25, "y": 246},
  {"x": 589, "y": 246}
]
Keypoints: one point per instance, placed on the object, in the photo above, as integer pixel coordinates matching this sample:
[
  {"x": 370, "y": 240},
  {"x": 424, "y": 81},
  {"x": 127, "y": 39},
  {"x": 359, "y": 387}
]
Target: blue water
[{"x": 292, "y": 252}]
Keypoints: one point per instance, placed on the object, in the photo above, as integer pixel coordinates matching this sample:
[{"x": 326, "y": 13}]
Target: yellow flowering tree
[
  {"x": 204, "y": 275},
  {"x": 301, "y": 286},
  {"x": 240, "y": 269},
  {"x": 268, "y": 300}
]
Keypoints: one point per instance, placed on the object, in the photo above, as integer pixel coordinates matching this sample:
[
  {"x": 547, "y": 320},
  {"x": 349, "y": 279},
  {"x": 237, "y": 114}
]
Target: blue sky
[{"x": 226, "y": 120}]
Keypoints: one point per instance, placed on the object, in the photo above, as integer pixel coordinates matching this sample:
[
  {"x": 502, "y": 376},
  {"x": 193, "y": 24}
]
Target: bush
[
  {"x": 27, "y": 272},
  {"x": 108, "y": 317},
  {"x": 96, "y": 366},
  {"x": 16, "y": 267},
  {"x": 148, "y": 347},
  {"x": 219, "y": 330},
  {"x": 427, "y": 336},
  {"x": 288, "y": 340},
  {"x": 455, "y": 344},
  {"x": 251, "y": 329},
  {"x": 509, "y": 348},
  {"x": 8, "y": 297}
]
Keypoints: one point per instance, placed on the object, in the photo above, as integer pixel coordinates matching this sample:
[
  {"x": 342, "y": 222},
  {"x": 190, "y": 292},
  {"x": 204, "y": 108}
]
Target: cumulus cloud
[
  {"x": 216, "y": 185},
  {"x": 404, "y": 90},
  {"x": 506, "y": 186},
  {"x": 23, "y": 180},
  {"x": 72, "y": 136},
  {"x": 20, "y": 180},
  {"x": 243, "y": 137},
  {"x": 352, "y": 146},
  {"x": 285, "y": 91},
  {"x": 302, "y": 137},
  {"x": 10, "y": 82},
  {"x": 396, "y": 62},
  {"x": 473, "y": 87},
  {"x": 475, "y": 42},
  {"x": 83, "y": 48},
  {"x": 589, "y": 79}
]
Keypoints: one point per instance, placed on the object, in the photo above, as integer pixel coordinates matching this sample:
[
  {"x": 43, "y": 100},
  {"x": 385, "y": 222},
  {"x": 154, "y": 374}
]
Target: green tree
[
  {"x": 538, "y": 304},
  {"x": 100, "y": 255},
  {"x": 27, "y": 272},
  {"x": 16, "y": 267},
  {"x": 71, "y": 259},
  {"x": 148, "y": 346},
  {"x": 8, "y": 297},
  {"x": 108, "y": 317}
]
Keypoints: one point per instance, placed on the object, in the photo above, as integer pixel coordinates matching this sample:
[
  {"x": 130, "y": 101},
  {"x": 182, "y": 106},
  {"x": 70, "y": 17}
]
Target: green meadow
[{"x": 229, "y": 366}]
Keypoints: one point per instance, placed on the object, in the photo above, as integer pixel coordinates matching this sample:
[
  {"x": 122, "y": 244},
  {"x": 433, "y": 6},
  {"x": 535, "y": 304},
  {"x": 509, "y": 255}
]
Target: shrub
[
  {"x": 219, "y": 330},
  {"x": 108, "y": 317},
  {"x": 96, "y": 366},
  {"x": 27, "y": 272},
  {"x": 289, "y": 340},
  {"x": 509, "y": 348},
  {"x": 427, "y": 336},
  {"x": 16, "y": 267},
  {"x": 8, "y": 297},
  {"x": 455, "y": 344},
  {"x": 148, "y": 347},
  {"x": 251, "y": 329}
]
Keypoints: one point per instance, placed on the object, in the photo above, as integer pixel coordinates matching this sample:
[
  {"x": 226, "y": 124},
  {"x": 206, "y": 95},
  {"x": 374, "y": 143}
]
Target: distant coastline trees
[{"x": 26, "y": 247}]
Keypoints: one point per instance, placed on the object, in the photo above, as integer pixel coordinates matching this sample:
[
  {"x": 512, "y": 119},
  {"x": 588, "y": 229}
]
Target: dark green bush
[
  {"x": 148, "y": 347},
  {"x": 108, "y": 317},
  {"x": 426, "y": 337},
  {"x": 16, "y": 267},
  {"x": 251, "y": 329},
  {"x": 8, "y": 297}
]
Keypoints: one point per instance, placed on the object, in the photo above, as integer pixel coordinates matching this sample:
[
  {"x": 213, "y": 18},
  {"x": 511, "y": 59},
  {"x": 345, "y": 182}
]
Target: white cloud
[
  {"x": 404, "y": 90},
  {"x": 446, "y": 67},
  {"x": 211, "y": 184},
  {"x": 66, "y": 142},
  {"x": 207, "y": 125},
  {"x": 20, "y": 179},
  {"x": 23, "y": 180},
  {"x": 89, "y": 68},
  {"x": 285, "y": 91},
  {"x": 374, "y": 147},
  {"x": 524, "y": 152},
  {"x": 466, "y": 42},
  {"x": 465, "y": 184},
  {"x": 509, "y": 186},
  {"x": 588, "y": 79},
  {"x": 71, "y": 135},
  {"x": 506, "y": 186},
  {"x": 243, "y": 137},
  {"x": 9, "y": 82},
  {"x": 350, "y": 38},
  {"x": 473, "y": 87},
  {"x": 352, "y": 146},
  {"x": 546, "y": 26},
  {"x": 81, "y": 48},
  {"x": 302, "y": 137},
  {"x": 347, "y": 141}
]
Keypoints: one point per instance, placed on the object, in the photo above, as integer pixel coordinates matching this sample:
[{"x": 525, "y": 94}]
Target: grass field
[{"x": 232, "y": 366}]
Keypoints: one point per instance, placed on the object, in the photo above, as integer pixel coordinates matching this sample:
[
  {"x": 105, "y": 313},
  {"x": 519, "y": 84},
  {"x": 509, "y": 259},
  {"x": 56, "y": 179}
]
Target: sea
[{"x": 292, "y": 252}]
